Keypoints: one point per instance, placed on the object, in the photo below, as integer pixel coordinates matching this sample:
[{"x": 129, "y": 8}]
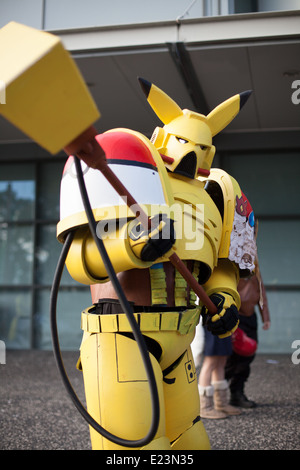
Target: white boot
[{"x": 207, "y": 409}]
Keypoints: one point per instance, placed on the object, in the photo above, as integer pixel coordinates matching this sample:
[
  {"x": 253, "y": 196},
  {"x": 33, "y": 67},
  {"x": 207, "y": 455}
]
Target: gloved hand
[
  {"x": 226, "y": 320},
  {"x": 150, "y": 245}
]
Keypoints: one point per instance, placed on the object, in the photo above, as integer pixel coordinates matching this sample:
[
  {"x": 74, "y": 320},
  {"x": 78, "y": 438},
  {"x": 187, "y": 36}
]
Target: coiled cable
[{"x": 127, "y": 310}]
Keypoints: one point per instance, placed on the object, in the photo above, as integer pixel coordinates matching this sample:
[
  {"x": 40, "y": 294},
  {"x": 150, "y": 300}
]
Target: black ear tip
[
  {"x": 244, "y": 97},
  {"x": 146, "y": 86}
]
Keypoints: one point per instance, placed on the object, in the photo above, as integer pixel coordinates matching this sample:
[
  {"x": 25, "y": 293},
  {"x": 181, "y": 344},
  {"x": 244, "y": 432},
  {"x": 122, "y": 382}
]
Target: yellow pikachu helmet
[{"x": 185, "y": 141}]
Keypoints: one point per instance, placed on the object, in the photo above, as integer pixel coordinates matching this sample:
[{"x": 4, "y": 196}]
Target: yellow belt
[{"x": 183, "y": 322}]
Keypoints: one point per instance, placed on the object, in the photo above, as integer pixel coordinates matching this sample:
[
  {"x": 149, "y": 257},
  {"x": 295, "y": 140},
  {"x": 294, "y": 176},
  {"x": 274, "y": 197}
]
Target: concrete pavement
[{"x": 37, "y": 414}]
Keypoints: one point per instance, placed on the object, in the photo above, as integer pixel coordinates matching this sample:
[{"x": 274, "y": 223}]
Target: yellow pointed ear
[
  {"x": 225, "y": 112},
  {"x": 164, "y": 107}
]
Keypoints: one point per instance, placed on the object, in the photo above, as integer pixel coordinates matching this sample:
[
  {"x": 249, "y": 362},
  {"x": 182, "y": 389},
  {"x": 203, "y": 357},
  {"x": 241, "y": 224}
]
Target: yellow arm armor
[
  {"x": 224, "y": 278},
  {"x": 85, "y": 264}
]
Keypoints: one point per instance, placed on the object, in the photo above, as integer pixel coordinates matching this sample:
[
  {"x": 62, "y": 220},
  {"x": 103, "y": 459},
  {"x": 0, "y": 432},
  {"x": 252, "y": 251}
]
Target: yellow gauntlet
[
  {"x": 149, "y": 245},
  {"x": 226, "y": 320}
]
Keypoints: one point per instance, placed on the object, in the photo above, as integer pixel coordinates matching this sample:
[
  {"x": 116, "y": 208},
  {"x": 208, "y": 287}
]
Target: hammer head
[{"x": 45, "y": 94}]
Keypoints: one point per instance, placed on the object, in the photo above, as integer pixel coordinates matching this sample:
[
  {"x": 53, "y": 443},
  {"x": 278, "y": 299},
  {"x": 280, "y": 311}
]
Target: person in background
[
  {"x": 213, "y": 387},
  {"x": 237, "y": 369}
]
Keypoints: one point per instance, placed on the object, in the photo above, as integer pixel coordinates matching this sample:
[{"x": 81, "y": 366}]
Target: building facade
[{"x": 200, "y": 53}]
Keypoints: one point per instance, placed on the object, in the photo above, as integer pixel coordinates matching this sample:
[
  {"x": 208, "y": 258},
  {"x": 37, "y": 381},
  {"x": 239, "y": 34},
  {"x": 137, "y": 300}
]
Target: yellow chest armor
[{"x": 198, "y": 223}]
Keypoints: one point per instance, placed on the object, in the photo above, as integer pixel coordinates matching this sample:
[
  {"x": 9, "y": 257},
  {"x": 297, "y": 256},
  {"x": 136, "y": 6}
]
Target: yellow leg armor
[
  {"x": 183, "y": 407},
  {"x": 117, "y": 390},
  {"x": 118, "y": 395}
]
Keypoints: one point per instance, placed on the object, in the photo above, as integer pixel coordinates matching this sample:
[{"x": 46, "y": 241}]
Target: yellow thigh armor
[{"x": 118, "y": 395}]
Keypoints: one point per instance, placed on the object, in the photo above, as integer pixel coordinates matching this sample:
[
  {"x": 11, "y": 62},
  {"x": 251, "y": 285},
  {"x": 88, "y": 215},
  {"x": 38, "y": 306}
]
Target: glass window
[
  {"x": 16, "y": 254},
  {"x": 71, "y": 301},
  {"x": 70, "y": 304},
  {"x": 274, "y": 5},
  {"x": 17, "y": 192},
  {"x": 15, "y": 318},
  {"x": 248, "y": 6},
  {"x": 47, "y": 253},
  {"x": 25, "y": 259},
  {"x": 243, "y": 6},
  {"x": 48, "y": 188}
]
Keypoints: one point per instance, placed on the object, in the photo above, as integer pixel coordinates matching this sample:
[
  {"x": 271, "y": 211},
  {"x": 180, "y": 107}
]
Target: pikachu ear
[
  {"x": 225, "y": 112},
  {"x": 164, "y": 107}
]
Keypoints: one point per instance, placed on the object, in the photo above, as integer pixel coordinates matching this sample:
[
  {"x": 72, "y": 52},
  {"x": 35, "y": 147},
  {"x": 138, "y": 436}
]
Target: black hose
[{"x": 127, "y": 310}]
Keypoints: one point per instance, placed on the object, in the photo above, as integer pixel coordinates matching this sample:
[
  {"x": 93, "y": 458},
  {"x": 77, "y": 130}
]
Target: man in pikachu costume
[{"x": 165, "y": 307}]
